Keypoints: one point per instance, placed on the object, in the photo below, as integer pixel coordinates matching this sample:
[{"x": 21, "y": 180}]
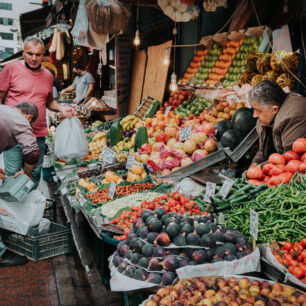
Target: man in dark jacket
[{"x": 281, "y": 119}]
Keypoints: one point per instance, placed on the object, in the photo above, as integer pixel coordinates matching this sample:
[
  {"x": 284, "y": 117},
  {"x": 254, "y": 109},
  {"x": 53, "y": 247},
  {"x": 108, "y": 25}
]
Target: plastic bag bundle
[
  {"x": 107, "y": 16},
  {"x": 70, "y": 140},
  {"x": 81, "y": 21}
]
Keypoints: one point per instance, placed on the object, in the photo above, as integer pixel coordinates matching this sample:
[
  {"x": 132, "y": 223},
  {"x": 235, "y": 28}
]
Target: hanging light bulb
[
  {"x": 173, "y": 85},
  {"x": 137, "y": 39},
  {"x": 285, "y": 8},
  {"x": 166, "y": 58}
]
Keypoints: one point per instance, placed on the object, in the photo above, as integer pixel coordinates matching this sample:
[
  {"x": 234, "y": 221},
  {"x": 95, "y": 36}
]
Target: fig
[
  {"x": 132, "y": 243},
  {"x": 159, "y": 251},
  {"x": 138, "y": 224},
  {"x": 168, "y": 278},
  {"x": 193, "y": 239},
  {"x": 154, "y": 264},
  {"x": 183, "y": 261},
  {"x": 146, "y": 214},
  {"x": 229, "y": 257},
  {"x": 143, "y": 262},
  {"x": 202, "y": 228},
  {"x": 241, "y": 254},
  {"x": 135, "y": 258},
  {"x": 154, "y": 278},
  {"x": 208, "y": 241},
  {"x": 123, "y": 266},
  {"x": 212, "y": 226},
  {"x": 164, "y": 219},
  {"x": 151, "y": 237},
  {"x": 117, "y": 260},
  {"x": 180, "y": 240},
  {"x": 199, "y": 256},
  {"x": 147, "y": 250},
  {"x": 131, "y": 235},
  {"x": 218, "y": 235},
  {"x": 210, "y": 253},
  {"x": 122, "y": 248},
  {"x": 129, "y": 254},
  {"x": 241, "y": 243},
  {"x": 173, "y": 229},
  {"x": 129, "y": 271},
  {"x": 229, "y": 248},
  {"x": 186, "y": 219},
  {"x": 187, "y": 252},
  {"x": 162, "y": 239},
  {"x": 160, "y": 212},
  {"x": 154, "y": 224},
  {"x": 217, "y": 259},
  {"x": 170, "y": 263},
  {"x": 173, "y": 252},
  {"x": 140, "y": 274},
  {"x": 138, "y": 245},
  {"x": 186, "y": 228},
  {"x": 230, "y": 237},
  {"x": 143, "y": 231}
]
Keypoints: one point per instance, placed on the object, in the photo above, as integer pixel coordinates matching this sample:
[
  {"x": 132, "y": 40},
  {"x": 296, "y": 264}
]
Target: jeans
[{"x": 13, "y": 161}]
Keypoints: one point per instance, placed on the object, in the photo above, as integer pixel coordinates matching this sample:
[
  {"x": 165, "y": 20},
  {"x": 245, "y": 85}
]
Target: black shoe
[{"x": 12, "y": 259}]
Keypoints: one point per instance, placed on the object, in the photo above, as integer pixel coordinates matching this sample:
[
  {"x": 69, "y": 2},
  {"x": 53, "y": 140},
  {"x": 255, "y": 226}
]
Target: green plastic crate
[{"x": 37, "y": 247}]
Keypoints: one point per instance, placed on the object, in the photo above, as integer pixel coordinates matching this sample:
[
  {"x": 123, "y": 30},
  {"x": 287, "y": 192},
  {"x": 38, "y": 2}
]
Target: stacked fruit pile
[
  {"x": 176, "y": 99},
  {"x": 194, "y": 65},
  {"x": 208, "y": 64},
  {"x": 226, "y": 291},
  {"x": 276, "y": 66},
  {"x": 239, "y": 64},
  {"x": 160, "y": 243}
]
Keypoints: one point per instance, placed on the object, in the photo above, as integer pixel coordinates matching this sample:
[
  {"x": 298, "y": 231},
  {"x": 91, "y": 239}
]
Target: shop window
[
  {"x": 6, "y": 36},
  {"x": 6, "y": 21},
  {"x": 9, "y": 50},
  {"x": 6, "y": 6}
]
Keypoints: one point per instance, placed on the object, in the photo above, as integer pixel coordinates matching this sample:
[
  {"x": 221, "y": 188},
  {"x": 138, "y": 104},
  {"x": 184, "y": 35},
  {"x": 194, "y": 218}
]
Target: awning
[{"x": 34, "y": 21}]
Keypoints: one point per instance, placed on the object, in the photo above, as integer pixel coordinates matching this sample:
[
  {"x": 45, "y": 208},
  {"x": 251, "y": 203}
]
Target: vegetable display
[
  {"x": 226, "y": 291},
  {"x": 281, "y": 212}
]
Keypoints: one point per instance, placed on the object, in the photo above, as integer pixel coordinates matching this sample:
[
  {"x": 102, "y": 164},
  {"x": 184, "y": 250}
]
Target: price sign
[
  {"x": 130, "y": 161},
  {"x": 108, "y": 155},
  {"x": 185, "y": 133},
  {"x": 168, "y": 109},
  {"x": 226, "y": 187},
  {"x": 64, "y": 190},
  {"x": 210, "y": 191},
  {"x": 253, "y": 223},
  {"x": 112, "y": 190}
]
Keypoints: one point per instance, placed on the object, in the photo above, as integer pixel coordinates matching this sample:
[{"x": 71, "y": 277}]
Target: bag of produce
[{"x": 70, "y": 140}]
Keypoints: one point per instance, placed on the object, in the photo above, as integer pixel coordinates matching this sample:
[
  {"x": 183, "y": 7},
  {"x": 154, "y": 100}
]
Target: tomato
[
  {"x": 299, "y": 146},
  {"x": 254, "y": 173},
  {"x": 256, "y": 182},
  {"x": 290, "y": 269},
  {"x": 298, "y": 272},
  {"x": 303, "y": 157},
  {"x": 288, "y": 259},
  {"x": 302, "y": 167},
  {"x": 303, "y": 242},
  {"x": 293, "y": 165},
  {"x": 287, "y": 245},
  {"x": 277, "y": 159},
  {"x": 266, "y": 168},
  {"x": 291, "y": 155},
  {"x": 285, "y": 177},
  {"x": 277, "y": 170}
]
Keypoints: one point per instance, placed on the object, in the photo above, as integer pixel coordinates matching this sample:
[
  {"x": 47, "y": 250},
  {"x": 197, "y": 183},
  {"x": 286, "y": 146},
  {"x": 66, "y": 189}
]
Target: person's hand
[
  {"x": 67, "y": 112},
  {"x": 2, "y": 174},
  {"x": 62, "y": 92},
  {"x": 19, "y": 173}
]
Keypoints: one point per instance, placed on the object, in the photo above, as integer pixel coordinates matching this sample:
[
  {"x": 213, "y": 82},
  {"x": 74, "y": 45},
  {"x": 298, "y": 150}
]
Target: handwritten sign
[
  {"x": 130, "y": 161},
  {"x": 108, "y": 155},
  {"x": 226, "y": 187},
  {"x": 112, "y": 190},
  {"x": 253, "y": 223},
  {"x": 210, "y": 191},
  {"x": 168, "y": 109},
  {"x": 185, "y": 133}
]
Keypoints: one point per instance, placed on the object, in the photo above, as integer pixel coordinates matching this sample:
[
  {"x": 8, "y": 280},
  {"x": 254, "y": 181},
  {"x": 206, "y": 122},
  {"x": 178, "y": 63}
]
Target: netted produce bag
[{"x": 107, "y": 17}]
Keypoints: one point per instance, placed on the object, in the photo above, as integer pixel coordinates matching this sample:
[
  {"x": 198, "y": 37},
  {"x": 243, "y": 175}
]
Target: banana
[
  {"x": 125, "y": 125},
  {"x": 133, "y": 123},
  {"x": 126, "y": 119}
]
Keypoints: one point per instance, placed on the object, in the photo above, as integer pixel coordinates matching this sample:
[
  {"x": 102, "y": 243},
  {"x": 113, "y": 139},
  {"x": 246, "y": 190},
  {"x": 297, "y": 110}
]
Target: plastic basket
[
  {"x": 243, "y": 147},
  {"x": 203, "y": 163},
  {"x": 143, "y": 107},
  {"x": 50, "y": 210},
  {"x": 37, "y": 247}
]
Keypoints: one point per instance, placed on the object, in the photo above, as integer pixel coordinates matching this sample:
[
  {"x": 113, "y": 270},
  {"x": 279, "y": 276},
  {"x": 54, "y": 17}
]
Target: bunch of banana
[
  {"x": 97, "y": 143},
  {"x": 97, "y": 122},
  {"x": 99, "y": 136},
  {"x": 129, "y": 122}
]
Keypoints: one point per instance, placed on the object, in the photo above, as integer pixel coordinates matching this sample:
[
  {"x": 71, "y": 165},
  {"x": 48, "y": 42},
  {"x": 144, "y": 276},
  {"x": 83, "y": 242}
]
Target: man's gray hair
[
  {"x": 267, "y": 92},
  {"x": 28, "y": 108},
  {"x": 34, "y": 40}
]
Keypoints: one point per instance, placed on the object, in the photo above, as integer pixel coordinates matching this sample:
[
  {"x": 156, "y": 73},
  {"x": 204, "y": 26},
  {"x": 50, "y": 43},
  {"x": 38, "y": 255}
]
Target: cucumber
[
  {"x": 115, "y": 133},
  {"x": 140, "y": 138}
]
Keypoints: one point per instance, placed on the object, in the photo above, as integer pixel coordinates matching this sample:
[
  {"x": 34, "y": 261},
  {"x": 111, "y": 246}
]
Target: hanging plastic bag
[
  {"x": 70, "y": 140},
  {"x": 81, "y": 21},
  {"x": 18, "y": 217}
]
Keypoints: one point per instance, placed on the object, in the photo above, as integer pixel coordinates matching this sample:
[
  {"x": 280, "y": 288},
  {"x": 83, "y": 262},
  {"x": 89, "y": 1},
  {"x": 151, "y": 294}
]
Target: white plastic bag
[
  {"x": 18, "y": 217},
  {"x": 70, "y": 140}
]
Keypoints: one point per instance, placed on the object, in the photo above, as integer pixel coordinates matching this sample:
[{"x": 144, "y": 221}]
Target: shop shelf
[
  {"x": 243, "y": 147},
  {"x": 40, "y": 246}
]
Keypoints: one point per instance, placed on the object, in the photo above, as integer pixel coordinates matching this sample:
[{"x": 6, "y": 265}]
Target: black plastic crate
[
  {"x": 50, "y": 210},
  {"x": 40, "y": 246}
]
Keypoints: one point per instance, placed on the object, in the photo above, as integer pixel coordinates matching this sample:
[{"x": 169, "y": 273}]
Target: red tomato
[
  {"x": 266, "y": 168},
  {"x": 256, "y": 182},
  {"x": 303, "y": 157},
  {"x": 290, "y": 155},
  {"x": 298, "y": 272},
  {"x": 266, "y": 179},
  {"x": 277, "y": 170},
  {"x": 287, "y": 245},
  {"x": 254, "y": 173},
  {"x": 302, "y": 167},
  {"x": 277, "y": 159},
  {"x": 299, "y": 146},
  {"x": 293, "y": 165},
  {"x": 285, "y": 177},
  {"x": 303, "y": 242}
]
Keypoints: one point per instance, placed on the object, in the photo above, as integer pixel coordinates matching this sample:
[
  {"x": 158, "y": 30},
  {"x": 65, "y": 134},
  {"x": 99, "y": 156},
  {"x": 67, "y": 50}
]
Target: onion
[{"x": 186, "y": 161}]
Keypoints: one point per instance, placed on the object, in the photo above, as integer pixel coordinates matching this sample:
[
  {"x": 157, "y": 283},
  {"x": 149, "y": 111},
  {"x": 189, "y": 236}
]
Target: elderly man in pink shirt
[{"x": 27, "y": 80}]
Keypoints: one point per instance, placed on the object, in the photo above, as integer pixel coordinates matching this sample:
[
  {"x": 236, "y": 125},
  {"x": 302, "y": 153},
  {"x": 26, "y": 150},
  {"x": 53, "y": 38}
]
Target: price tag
[
  {"x": 209, "y": 192},
  {"x": 64, "y": 190},
  {"x": 185, "y": 133},
  {"x": 168, "y": 109},
  {"x": 112, "y": 190},
  {"x": 130, "y": 161},
  {"x": 82, "y": 200},
  {"x": 226, "y": 187},
  {"x": 108, "y": 155},
  {"x": 253, "y": 223}
]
